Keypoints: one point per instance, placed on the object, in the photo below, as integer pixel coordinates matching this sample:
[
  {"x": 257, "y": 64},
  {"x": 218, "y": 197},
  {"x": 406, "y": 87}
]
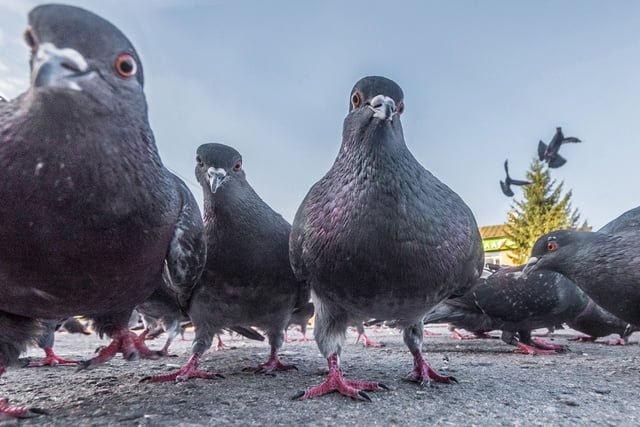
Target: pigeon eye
[
  {"x": 126, "y": 65},
  {"x": 199, "y": 161},
  {"x": 30, "y": 39},
  {"x": 237, "y": 166},
  {"x": 355, "y": 99},
  {"x": 552, "y": 246},
  {"x": 401, "y": 108}
]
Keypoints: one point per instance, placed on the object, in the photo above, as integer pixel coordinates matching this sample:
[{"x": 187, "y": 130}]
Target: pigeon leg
[
  {"x": 457, "y": 335},
  {"x": 337, "y": 382},
  {"x": 527, "y": 349},
  {"x": 366, "y": 342},
  {"x": 422, "y": 373},
  {"x": 583, "y": 338},
  {"x": 8, "y": 411},
  {"x": 273, "y": 364},
  {"x": 619, "y": 341},
  {"x": 51, "y": 360},
  {"x": 190, "y": 370},
  {"x": 221, "y": 345},
  {"x": 429, "y": 333},
  {"x": 126, "y": 342},
  {"x": 304, "y": 337},
  {"x": 549, "y": 346}
]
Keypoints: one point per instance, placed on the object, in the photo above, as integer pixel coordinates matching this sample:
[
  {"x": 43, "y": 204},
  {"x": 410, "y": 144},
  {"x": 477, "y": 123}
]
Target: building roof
[{"x": 492, "y": 231}]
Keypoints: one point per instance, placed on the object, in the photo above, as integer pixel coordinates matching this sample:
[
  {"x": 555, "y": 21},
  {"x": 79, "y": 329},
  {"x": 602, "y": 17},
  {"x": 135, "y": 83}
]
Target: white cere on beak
[
  {"x": 215, "y": 177},
  {"x": 383, "y": 107},
  {"x": 55, "y": 67}
]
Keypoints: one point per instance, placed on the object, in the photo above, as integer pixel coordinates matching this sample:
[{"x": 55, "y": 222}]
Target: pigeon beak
[
  {"x": 56, "y": 68},
  {"x": 216, "y": 178},
  {"x": 383, "y": 107},
  {"x": 530, "y": 266}
]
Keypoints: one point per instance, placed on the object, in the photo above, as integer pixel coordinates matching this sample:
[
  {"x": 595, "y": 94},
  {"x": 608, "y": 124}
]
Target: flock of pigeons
[
  {"x": 546, "y": 153},
  {"x": 93, "y": 224}
]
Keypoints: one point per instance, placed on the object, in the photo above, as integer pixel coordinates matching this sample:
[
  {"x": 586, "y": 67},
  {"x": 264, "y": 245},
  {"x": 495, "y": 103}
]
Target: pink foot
[
  {"x": 305, "y": 338},
  {"x": 221, "y": 345},
  {"x": 429, "y": 333},
  {"x": 51, "y": 360},
  {"x": 423, "y": 374},
  {"x": 8, "y": 411},
  {"x": 457, "y": 335},
  {"x": 549, "y": 346},
  {"x": 619, "y": 341},
  {"x": 273, "y": 364},
  {"x": 367, "y": 342},
  {"x": 337, "y": 382},
  {"x": 527, "y": 349},
  {"x": 126, "y": 342},
  {"x": 583, "y": 338},
  {"x": 190, "y": 370}
]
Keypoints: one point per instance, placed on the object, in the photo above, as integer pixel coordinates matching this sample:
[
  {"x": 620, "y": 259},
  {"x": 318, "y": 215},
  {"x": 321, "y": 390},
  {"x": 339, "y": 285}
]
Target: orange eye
[
  {"x": 401, "y": 108},
  {"x": 355, "y": 99},
  {"x": 30, "y": 39},
  {"x": 199, "y": 161},
  {"x": 126, "y": 65},
  {"x": 552, "y": 246},
  {"x": 237, "y": 166}
]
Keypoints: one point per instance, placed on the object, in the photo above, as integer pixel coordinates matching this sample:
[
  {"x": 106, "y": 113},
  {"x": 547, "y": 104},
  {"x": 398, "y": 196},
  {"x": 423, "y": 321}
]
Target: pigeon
[
  {"x": 597, "y": 322},
  {"x": 605, "y": 266},
  {"x": 247, "y": 279},
  {"x": 162, "y": 312},
  {"x": 628, "y": 222},
  {"x": 506, "y": 184},
  {"x": 549, "y": 153},
  {"x": 366, "y": 342},
  {"x": 380, "y": 237},
  {"x": 46, "y": 340},
  {"x": 514, "y": 304},
  {"x": 301, "y": 317},
  {"x": 90, "y": 216}
]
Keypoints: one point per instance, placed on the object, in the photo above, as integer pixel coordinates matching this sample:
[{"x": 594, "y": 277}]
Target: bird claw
[
  {"x": 383, "y": 386},
  {"x": 298, "y": 395},
  {"x": 364, "y": 395}
]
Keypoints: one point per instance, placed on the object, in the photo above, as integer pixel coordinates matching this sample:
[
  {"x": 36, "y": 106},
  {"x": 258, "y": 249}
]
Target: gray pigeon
[
  {"x": 46, "y": 340},
  {"x": 89, "y": 214},
  {"x": 549, "y": 153},
  {"x": 247, "y": 279},
  {"x": 606, "y": 266},
  {"x": 516, "y": 305},
  {"x": 380, "y": 237},
  {"x": 301, "y": 317},
  {"x": 597, "y": 322}
]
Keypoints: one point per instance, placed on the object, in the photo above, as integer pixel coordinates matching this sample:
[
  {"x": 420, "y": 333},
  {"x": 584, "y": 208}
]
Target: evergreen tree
[{"x": 543, "y": 209}]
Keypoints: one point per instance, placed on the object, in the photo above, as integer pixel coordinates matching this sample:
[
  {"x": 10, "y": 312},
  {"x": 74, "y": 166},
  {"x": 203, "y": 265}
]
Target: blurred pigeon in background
[
  {"x": 506, "y": 184},
  {"x": 516, "y": 305},
  {"x": 549, "y": 153},
  {"x": 90, "y": 216},
  {"x": 597, "y": 322},
  {"x": 380, "y": 237}
]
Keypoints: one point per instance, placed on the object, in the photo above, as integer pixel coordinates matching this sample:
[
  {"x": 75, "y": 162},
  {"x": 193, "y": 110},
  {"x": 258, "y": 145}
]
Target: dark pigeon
[
  {"x": 301, "y": 317},
  {"x": 605, "y": 266},
  {"x": 516, "y": 305},
  {"x": 549, "y": 153},
  {"x": 380, "y": 237},
  {"x": 89, "y": 214},
  {"x": 506, "y": 184},
  {"x": 247, "y": 279},
  {"x": 597, "y": 322},
  {"x": 628, "y": 222}
]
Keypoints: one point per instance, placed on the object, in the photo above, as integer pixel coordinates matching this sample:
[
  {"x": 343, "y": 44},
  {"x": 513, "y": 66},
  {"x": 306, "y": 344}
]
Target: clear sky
[{"x": 483, "y": 81}]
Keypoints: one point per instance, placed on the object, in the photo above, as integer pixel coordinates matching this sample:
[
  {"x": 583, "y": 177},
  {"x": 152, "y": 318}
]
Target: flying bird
[
  {"x": 247, "y": 279},
  {"x": 508, "y": 301},
  {"x": 606, "y": 266},
  {"x": 380, "y": 237},
  {"x": 549, "y": 153},
  {"x": 506, "y": 184},
  {"x": 90, "y": 216}
]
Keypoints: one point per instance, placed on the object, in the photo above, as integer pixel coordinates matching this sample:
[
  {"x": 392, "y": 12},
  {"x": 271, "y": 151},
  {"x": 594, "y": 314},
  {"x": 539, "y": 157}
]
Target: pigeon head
[
  {"x": 551, "y": 251},
  {"x": 74, "y": 50},
  {"x": 375, "y": 106},
  {"x": 217, "y": 165}
]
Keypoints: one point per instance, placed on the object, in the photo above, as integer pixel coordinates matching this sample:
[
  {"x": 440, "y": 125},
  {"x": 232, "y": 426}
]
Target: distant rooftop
[{"x": 492, "y": 231}]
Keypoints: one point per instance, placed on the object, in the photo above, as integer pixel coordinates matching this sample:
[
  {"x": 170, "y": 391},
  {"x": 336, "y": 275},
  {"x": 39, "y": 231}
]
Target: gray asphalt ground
[{"x": 594, "y": 384}]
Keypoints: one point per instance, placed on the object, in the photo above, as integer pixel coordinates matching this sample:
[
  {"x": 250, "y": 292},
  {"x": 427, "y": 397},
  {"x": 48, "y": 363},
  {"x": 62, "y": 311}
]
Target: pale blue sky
[{"x": 483, "y": 81}]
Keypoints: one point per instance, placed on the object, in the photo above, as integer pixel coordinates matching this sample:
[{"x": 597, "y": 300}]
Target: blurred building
[{"x": 497, "y": 247}]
